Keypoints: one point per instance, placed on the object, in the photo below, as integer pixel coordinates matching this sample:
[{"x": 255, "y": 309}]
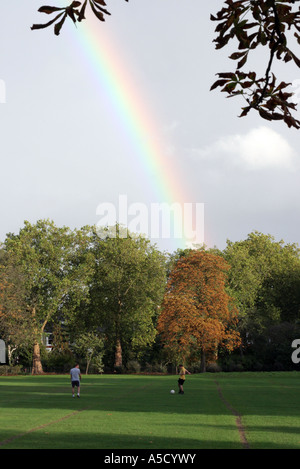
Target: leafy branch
[
  {"x": 269, "y": 20},
  {"x": 252, "y": 23},
  {"x": 75, "y": 11}
]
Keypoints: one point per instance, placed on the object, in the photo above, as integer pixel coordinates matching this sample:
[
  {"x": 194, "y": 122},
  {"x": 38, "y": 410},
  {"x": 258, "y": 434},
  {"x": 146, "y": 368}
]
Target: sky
[{"x": 108, "y": 120}]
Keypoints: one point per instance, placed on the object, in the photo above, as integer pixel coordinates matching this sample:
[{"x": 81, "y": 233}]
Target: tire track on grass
[{"x": 239, "y": 424}]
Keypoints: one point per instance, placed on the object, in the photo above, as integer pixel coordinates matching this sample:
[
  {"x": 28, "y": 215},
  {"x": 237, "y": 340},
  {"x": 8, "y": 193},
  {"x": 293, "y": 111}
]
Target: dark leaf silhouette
[
  {"x": 252, "y": 24},
  {"x": 76, "y": 11},
  {"x": 58, "y": 25},
  {"x": 268, "y": 21},
  {"x": 82, "y": 12},
  {"x": 41, "y": 26},
  {"x": 48, "y": 10}
]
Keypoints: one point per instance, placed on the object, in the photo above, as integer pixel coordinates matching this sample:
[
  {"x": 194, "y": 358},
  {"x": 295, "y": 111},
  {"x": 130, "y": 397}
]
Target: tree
[
  {"x": 55, "y": 267},
  {"x": 90, "y": 345},
  {"x": 15, "y": 321},
  {"x": 126, "y": 291},
  {"x": 197, "y": 314},
  {"x": 265, "y": 281},
  {"x": 252, "y": 23}
]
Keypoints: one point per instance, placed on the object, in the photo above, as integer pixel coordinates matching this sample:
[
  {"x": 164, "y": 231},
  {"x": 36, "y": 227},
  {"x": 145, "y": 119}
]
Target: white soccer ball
[{"x": 172, "y": 391}]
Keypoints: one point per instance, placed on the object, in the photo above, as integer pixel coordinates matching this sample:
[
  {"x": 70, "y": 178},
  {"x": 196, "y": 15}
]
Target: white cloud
[{"x": 260, "y": 148}]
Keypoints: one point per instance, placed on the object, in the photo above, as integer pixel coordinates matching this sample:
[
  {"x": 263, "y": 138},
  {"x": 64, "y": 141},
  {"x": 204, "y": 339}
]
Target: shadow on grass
[
  {"x": 48, "y": 399},
  {"x": 47, "y": 439},
  {"x": 254, "y": 395}
]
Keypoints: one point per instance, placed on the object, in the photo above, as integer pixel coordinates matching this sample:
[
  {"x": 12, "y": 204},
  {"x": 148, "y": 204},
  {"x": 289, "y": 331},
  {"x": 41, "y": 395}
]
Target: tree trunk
[
  {"x": 37, "y": 368},
  {"x": 10, "y": 351},
  {"x": 203, "y": 362},
  {"x": 118, "y": 354}
]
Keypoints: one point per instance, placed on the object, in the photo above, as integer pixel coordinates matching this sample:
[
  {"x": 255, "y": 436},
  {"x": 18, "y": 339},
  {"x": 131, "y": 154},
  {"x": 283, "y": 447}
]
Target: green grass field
[{"x": 217, "y": 411}]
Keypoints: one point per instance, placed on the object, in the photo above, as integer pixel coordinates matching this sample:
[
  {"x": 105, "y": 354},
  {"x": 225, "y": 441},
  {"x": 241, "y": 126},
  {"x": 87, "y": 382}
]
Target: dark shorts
[
  {"x": 75, "y": 383},
  {"x": 181, "y": 381}
]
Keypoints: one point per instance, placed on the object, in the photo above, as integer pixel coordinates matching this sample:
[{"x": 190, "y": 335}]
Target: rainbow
[{"x": 131, "y": 110}]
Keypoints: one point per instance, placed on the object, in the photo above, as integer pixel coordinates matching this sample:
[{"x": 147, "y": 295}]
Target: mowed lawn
[{"x": 221, "y": 410}]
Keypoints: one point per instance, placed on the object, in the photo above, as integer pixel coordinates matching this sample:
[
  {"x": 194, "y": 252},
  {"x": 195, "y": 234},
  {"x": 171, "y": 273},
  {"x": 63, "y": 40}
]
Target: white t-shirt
[{"x": 75, "y": 374}]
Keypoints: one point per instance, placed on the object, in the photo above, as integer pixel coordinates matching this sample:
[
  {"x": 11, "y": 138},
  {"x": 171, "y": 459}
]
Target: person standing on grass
[
  {"x": 181, "y": 380},
  {"x": 75, "y": 380}
]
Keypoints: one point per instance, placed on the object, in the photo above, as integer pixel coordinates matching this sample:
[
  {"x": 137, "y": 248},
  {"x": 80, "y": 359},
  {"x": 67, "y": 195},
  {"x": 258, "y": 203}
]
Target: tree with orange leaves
[{"x": 198, "y": 316}]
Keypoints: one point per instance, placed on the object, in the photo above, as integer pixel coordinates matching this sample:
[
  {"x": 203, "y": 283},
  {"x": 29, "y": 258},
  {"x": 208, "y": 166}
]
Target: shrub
[
  {"x": 159, "y": 368},
  {"x": 133, "y": 366},
  {"x": 6, "y": 370},
  {"x": 119, "y": 370},
  {"x": 213, "y": 368},
  {"x": 98, "y": 364},
  {"x": 58, "y": 362}
]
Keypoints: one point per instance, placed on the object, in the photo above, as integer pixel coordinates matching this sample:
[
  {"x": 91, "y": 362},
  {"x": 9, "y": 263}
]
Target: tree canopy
[
  {"x": 126, "y": 291},
  {"x": 251, "y": 23},
  {"x": 114, "y": 300},
  {"x": 54, "y": 265},
  {"x": 265, "y": 280},
  {"x": 198, "y": 315}
]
